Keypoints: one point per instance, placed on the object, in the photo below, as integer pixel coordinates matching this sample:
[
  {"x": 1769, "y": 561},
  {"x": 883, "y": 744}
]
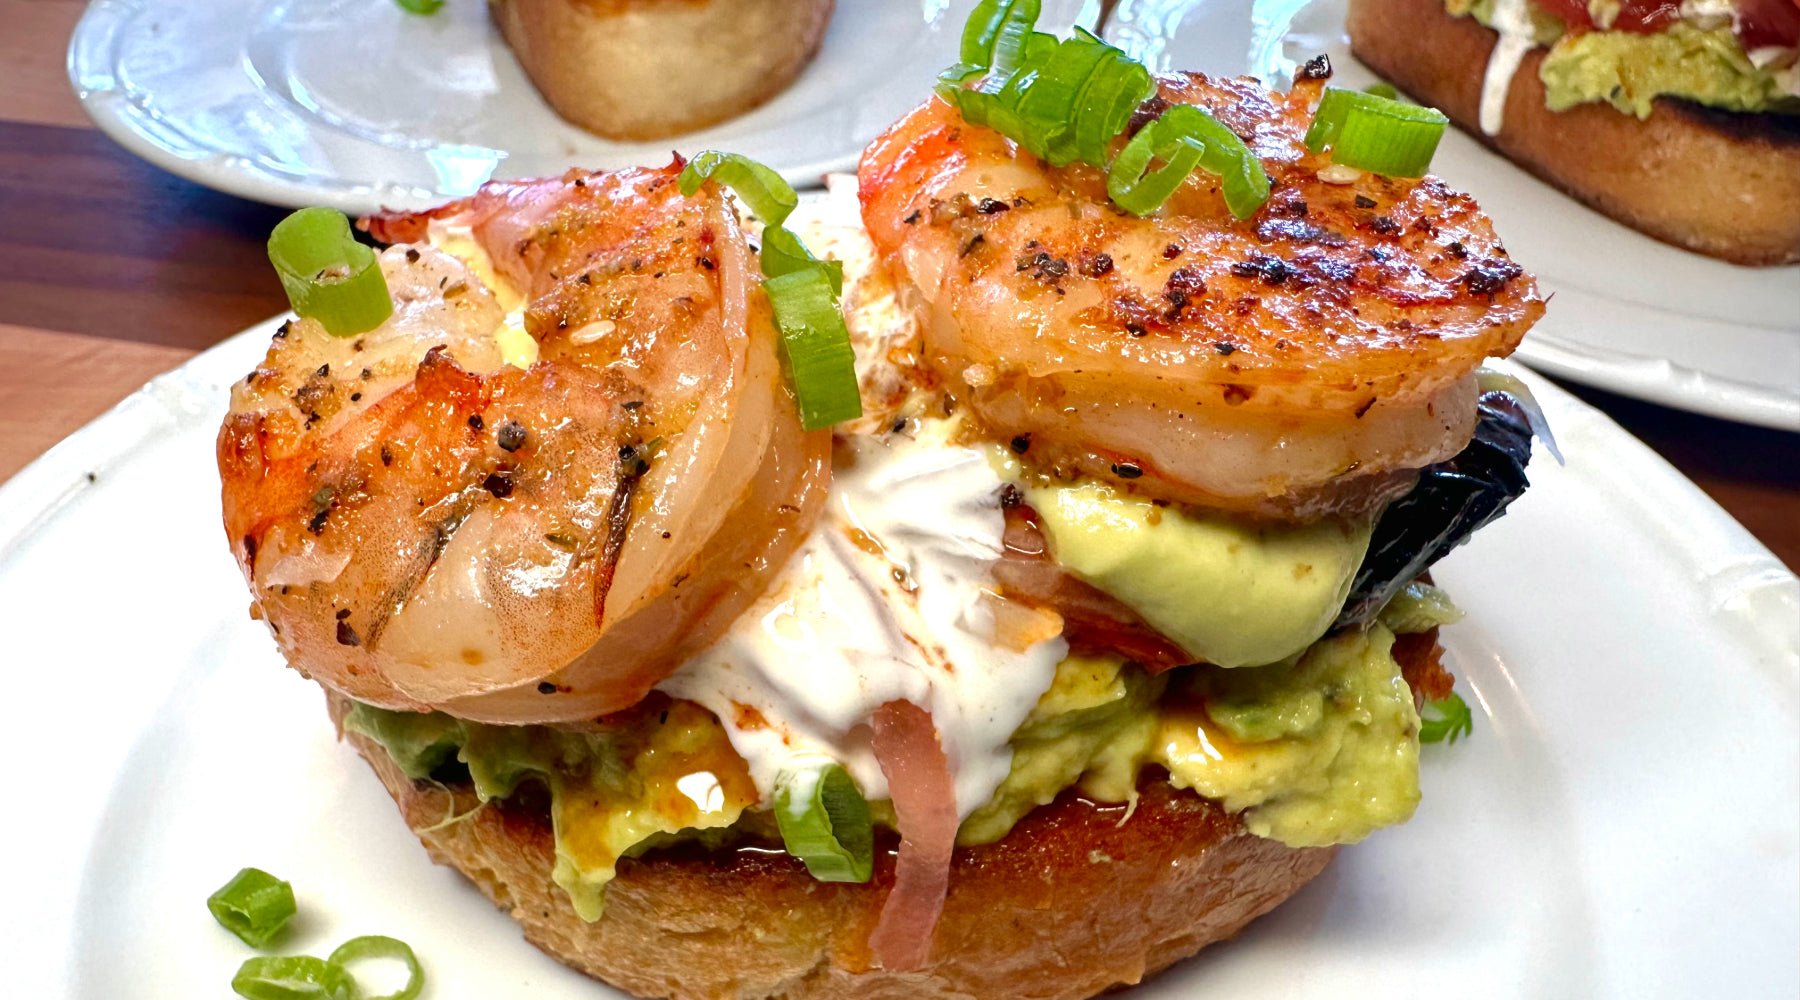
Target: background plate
[
  {"x": 1622, "y": 819},
  {"x": 358, "y": 105},
  {"x": 1630, "y": 314}
]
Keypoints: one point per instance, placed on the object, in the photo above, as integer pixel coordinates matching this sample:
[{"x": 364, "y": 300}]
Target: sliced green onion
[
  {"x": 1115, "y": 89},
  {"x": 1448, "y": 720},
  {"x": 1383, "y": 89},
  {"x": 376, "y": 946},
  {"x": 783, "y": 253},
  {"x": 1136, "y": 188},
  {"x": 254, "y": 905},
  {"x": 995, "y": 33},
  {"x": 421, "y": 6},
  {"x": 329, "y": 276},
  {"x": 1067, "y": 100},
  {"x": 294, "y": 977},
  {"x": 824, "y": 822},
  {"x": 803, "y": 290},
  {"x": 1377, "y": 134},
  {"x": 820, "y": 359},
  {"x": 770, "y": 198},
  {"x": 1185, "y": 137}
]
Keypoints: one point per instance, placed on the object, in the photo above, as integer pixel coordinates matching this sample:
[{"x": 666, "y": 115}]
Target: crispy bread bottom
[
  {"x": 1077, "y": 898},
  {"x": 1724, "y": 184}
]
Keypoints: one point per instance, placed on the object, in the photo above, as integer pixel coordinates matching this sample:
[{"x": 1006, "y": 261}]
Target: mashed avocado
[
  {"x": 1321, "y": 748},
  {"x": 1629, "y": 71},
  {"x": 1325, "y": 751},
  {"x": 611, "y": 789},
  {"x": 1702, "y": 62},
  {"x": 1093, "y": 728},
  {"x": 1228, "y": 592}
]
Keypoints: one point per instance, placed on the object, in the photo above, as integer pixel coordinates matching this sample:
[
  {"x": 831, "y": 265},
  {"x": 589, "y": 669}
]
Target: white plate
[
  {"x": 1630, "y": 314},
  {"x": 1621, "y": 825},
  {"x": 359, "y": 105}
]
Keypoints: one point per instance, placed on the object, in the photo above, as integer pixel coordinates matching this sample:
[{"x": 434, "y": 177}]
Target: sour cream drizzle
[
  {"x": 1512, "y": 20},
  {"x": 888, "y": 599}
]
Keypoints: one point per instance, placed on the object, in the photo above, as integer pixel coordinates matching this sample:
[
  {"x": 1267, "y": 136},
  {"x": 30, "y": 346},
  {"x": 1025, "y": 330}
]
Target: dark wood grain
[{"x": 95, "y": 241}]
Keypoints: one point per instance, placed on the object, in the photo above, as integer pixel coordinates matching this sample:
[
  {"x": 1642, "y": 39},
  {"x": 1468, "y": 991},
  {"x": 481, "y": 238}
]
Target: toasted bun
[
  {"x": 644, "y": 69},
  {"x": 1076, "y": 899},
  {"x": 1724, "y": 184}
]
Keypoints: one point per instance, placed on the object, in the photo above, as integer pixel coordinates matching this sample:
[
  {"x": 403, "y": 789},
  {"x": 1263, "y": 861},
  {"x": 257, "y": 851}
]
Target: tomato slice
[
  {"x": 1765, "y": 23},
  {"x": 1641, "y": 16}
]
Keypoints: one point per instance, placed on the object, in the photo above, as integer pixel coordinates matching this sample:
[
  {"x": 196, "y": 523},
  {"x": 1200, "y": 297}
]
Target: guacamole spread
[
  {"x": 612, "y": 789},
  {"x": 1698, "y": 60},
  {"x": 1318, "y": 747}
]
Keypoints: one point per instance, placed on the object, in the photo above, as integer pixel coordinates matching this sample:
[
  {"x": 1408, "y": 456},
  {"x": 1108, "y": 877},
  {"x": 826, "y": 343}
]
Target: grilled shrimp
[
  {"x": 1294, "y": 364},
  {"x": 426, "y": 526}
]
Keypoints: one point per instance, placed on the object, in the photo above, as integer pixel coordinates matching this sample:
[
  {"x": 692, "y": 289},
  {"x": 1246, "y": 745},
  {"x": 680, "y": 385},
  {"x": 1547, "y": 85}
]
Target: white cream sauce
[
  {"x": 888, "y": 599},
  {"x": 1512, "y": 20}
]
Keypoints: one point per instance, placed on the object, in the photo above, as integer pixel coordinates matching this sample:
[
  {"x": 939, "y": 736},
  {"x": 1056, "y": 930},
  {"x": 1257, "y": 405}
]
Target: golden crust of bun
[
  {"x": 645, "y": 69},
  {"x": 1723, "y": 184},
  {"x": 1076, "y": 899}
]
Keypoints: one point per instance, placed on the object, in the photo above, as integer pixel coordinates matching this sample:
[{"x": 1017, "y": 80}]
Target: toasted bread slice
[
  {"x": 645, "y": 69},
  {"x": 1076, "y": 899},
  {"x": 1721, "y": 183}
]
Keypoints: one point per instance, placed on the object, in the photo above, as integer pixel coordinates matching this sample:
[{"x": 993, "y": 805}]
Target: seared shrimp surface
[
  {"x": 1296, "y": 363},
  {"x": 425, "y": 526}
]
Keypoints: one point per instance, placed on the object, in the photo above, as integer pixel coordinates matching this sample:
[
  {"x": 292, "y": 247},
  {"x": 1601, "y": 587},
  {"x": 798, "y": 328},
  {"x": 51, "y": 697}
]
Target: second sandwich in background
[{"x": 1682, "y": 121}]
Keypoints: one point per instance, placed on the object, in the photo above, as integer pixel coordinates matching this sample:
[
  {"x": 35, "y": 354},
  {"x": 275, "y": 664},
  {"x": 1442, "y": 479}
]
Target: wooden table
[{"x": 112, "y": 271}]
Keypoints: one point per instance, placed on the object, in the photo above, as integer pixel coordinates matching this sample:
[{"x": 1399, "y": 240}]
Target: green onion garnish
[
  {"x": 1186, "y": 137},
  {"x": 803, "y": 290},
  {"x": 769, "y": 197},
  {"x": 294, "y": 977},
  {"x": 1067, "y": 100},
  {"x": 329, "y": 276},
  {"x": 820, "y": 359},
  {"x": 254, "y": 905},
  {"x": 1064, "y": 100},
  {"x": 783, "y": 253},
  {"x": 420, "y": 6},
  {"x": 375, "y": 946},
  {"x": 824, "y": 822},
  {"x": 1383, "y": 89},
  {"x": 1377, "y": 134},
  {"x": 1449, "y": 719},
  {"x": 996, "y": 32}
]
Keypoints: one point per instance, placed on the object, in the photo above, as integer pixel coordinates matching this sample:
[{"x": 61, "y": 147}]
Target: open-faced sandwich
[
  {"x": 1049, "y": 620},
  {"x": 646, "y": 69},
  {"x": 1679, "y": 119}
]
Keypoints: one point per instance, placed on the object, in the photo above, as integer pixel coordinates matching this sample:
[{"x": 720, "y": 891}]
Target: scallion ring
[
  {"x": 770, "y": 198},
  {"x": 254, "y": 905},
  {"x": 1186, "y": 137},
  {"x": 376, "y": 946},
  {"x": 783, "y": 253},
  {"x": 824, "y": 821},
  {"x": 1376, "y": 134},
  {"x": 1119, "y": 85},
  {"x": 329, "y": 276},
  {"x": 294, "y": 977},
  {"x": 1140, "y": 190},
  {"x": 421, "y": 6},
  {"x": 817, "y": 345},
  {"x": 995, "y": 33}
]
